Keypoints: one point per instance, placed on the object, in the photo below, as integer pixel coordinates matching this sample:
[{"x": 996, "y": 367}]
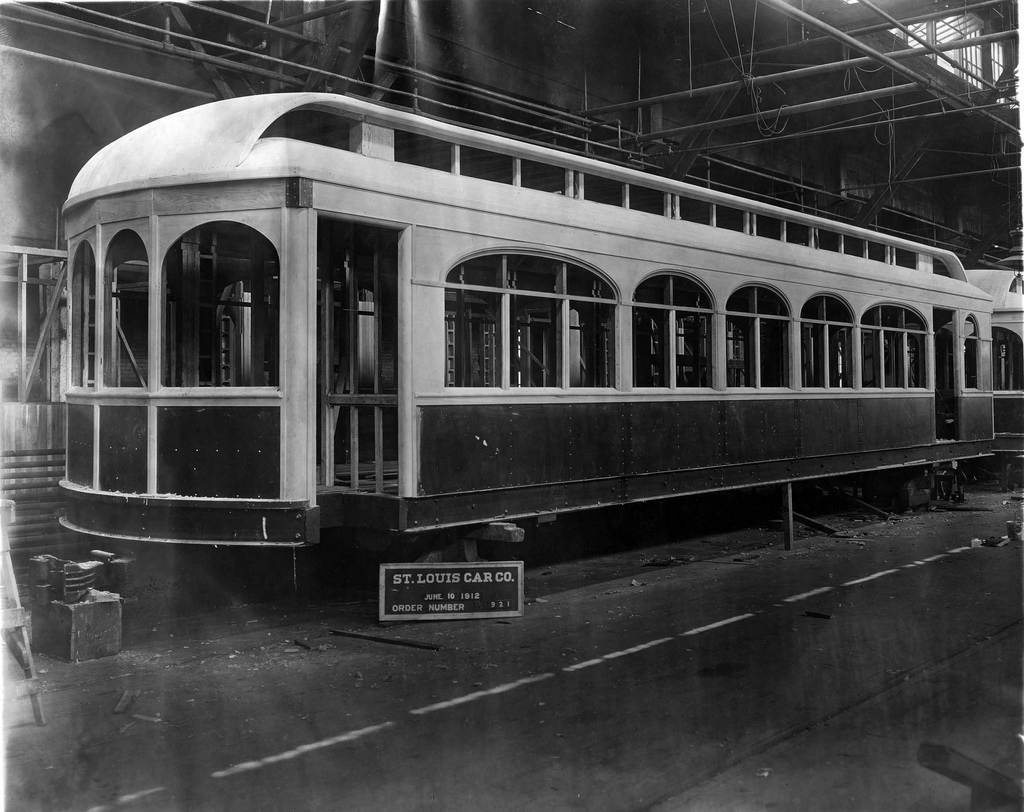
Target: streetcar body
[
  {"x": 1007, "y": 292},
  {"x": 305, "y": 311}
]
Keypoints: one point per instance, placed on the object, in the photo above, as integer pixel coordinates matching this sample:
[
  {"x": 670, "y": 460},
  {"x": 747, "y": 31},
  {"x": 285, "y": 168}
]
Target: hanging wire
[
  {"x": 736, "y": 35},
  {"x": 689, "y": 42},
  {"x": 725, "y": 50}
]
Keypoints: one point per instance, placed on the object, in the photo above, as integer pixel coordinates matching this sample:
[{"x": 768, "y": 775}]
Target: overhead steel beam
[
  {"x": 267, "y": 28},
  {"x": 977, "y": 254},
  {"x": 870, "y": 29},
  {"x": 365, "y": 24},
  {"x": 223, "y": 89},
  {"x": 926, "y": 83},
  {"x": 327, "y": 53},
  {"x": 930, "y": 46},
  {"x": 789, "y": 75},
  {"x": 911, "y": 155},
  {"x": 713, "y": 108},
  {"x": 326, "y": 11}
]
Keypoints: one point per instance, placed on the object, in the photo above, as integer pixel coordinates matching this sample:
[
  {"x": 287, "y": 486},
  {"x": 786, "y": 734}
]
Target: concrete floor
[{"x": 735, "y": 676}]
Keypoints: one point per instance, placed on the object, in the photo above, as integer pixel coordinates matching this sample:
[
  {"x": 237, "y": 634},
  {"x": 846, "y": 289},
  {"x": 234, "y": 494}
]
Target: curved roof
[
  {"x": 215, "y": 142},
  {"x": 996, "y": 284},
  {"x": 209, "y": 139}
]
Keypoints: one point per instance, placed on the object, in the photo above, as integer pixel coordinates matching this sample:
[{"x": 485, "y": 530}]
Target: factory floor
[{"x": 715, "y": 672}]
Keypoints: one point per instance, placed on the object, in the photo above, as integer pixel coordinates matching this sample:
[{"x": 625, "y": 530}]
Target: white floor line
[
  {"x": 461, "y": 700},
  {"x": 634, "y": 649},
  {"x": 134, "y": 796},
  {"x": 585, "y": 664},
  {"x": 802, "y": 595},
  {"x": 717, "y": 625},
  {"x": 870, "y": 577},
  {"x": 352, "y": 735}
]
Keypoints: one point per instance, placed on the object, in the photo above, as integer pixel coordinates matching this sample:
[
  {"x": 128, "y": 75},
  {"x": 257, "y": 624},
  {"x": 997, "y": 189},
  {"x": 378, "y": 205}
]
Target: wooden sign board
[{"x": 455, "y": 591}]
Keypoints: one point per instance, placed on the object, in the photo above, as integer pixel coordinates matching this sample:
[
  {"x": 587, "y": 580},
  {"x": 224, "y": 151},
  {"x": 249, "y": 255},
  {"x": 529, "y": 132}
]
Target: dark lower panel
[
  {"x": 123, "y": 448},
  {"x": 231, "y": 452},
  {"x": 829, "y": 426},
  {"x": 380, "y": 512},
  {"x": 473, "y": 447},
  {"x": 976, "y": 418},
  {"x": 79, "y": 449},
  {"x": 897, "y": 422},
  {"x": 1009, "y": 443},
  {"x": 763, "y": 430},
  {"x": 188, "y": 521},
  {"x": 509, "y": 445},
  {"x": 1008, "y": 413},
  {"x": 663, "y": 434}
]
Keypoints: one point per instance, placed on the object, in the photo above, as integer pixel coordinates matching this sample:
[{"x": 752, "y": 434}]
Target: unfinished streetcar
[
  {"x": 296, "y": 312},
  {"x": 1007, "y": 291}
]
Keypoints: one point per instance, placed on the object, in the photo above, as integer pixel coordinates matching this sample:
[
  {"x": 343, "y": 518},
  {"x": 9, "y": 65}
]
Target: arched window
[
  {"x": 83, "y": 325},
  {"x": 826, "y": 335},
  {"x": 520, "y": 320},
  {"x": 671, "y": 333},
  {"x": 126, "y": 318},
  {"x": 221, "y": 308},
  {"x": 971, "y": 351},
  {"x": 756, "y": 336},
  {"x": 892, "y": 348},
  {"x": 1007, "y": 360}
]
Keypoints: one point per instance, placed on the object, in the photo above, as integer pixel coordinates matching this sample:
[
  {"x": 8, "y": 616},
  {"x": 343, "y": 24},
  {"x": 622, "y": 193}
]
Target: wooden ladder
[{"x": 14, "y": 616}]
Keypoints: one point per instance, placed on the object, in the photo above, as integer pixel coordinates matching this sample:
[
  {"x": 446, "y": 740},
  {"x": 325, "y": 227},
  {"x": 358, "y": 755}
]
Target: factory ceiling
[{"x": 893, "y": 114}]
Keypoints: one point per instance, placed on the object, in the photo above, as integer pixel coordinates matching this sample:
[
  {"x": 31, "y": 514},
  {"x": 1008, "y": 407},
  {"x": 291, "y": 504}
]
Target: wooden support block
[
  {"x": 80, "y": 631},
  {"x": 497, "y": 531}
]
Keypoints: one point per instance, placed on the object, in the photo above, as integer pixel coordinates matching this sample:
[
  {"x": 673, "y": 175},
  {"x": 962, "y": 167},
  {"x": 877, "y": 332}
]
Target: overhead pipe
[
  {"x": 844, "y": 128},
  {"x": 110, "y": 74},
  {"x": 993, "y": 171},
  {"x": 835, "y": 33},
  {"x": 798, "y": 73},
  {"x": 795, "y": 109},
  {"x": 152, "y": 45}
]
